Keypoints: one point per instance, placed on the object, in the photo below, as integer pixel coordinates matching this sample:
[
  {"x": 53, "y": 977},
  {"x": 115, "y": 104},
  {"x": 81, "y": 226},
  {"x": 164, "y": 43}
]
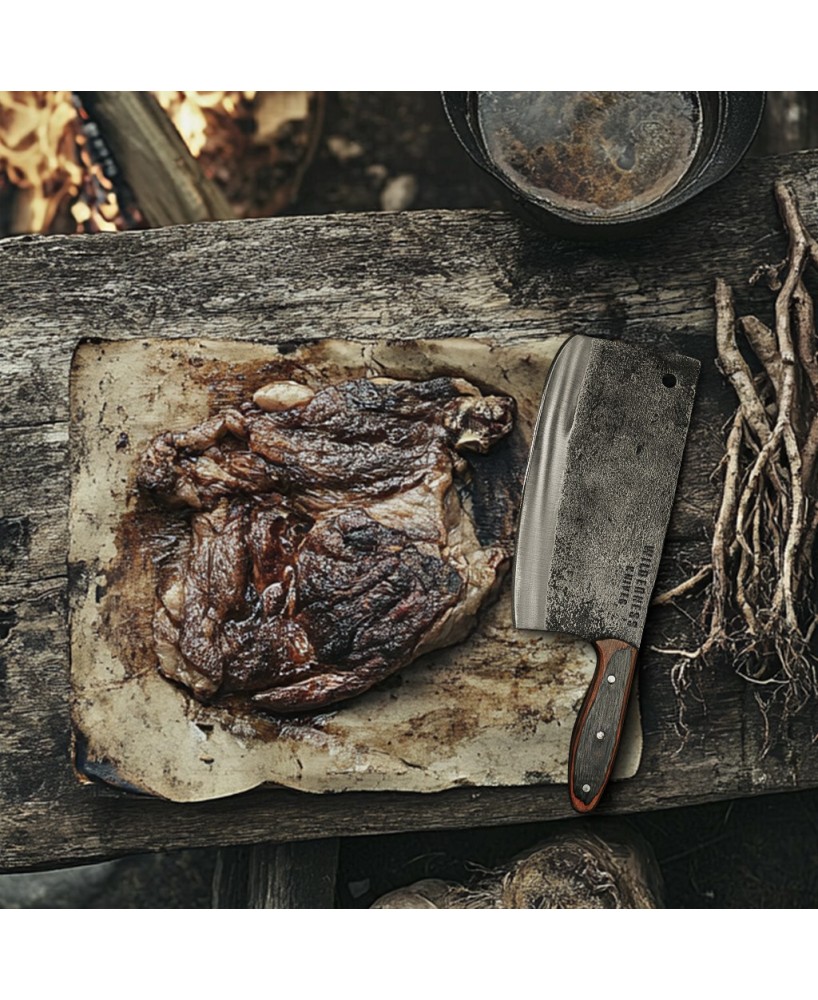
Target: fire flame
[
  {"x": 44, "y": 155},
  {"x": 186, "y": 109},
  {"x": 37, "y": 152},
  {"x": 56, "y": 173}
]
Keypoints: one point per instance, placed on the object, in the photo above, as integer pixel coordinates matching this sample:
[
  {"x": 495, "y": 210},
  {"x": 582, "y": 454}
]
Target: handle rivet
[
  {"x": 611, "y": 679},
  {"x": 586, "y": 788},
  {"x": 600, "y": 735}
]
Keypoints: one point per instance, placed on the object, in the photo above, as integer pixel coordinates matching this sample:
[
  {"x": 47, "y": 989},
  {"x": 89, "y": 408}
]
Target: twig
[
  {"x": 805, "y": 326},
  {"x": 760, "y": 606},
  {"x": 762, "y": 340},
  {"x": 733, "y": 364},
  {"x": 683, "y": 588},
  {"x": 724, "y": 532}
]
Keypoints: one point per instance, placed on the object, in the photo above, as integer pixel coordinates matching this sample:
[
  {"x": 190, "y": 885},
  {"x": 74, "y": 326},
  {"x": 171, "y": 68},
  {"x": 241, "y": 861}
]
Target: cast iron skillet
[{"x": 730, "y": 120}]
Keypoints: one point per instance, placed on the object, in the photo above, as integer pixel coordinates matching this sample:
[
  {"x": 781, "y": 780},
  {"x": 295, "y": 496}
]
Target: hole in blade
[{"x": 669, "y": 380}]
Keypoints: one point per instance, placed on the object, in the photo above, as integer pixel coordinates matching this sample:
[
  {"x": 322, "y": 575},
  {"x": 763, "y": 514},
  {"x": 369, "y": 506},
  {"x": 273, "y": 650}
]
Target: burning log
[
  {"x": 166, "y": 179},
  {"x": 41, "y": 171},
  {"x": 59, "y": 175},
  {"x": 256, "y": 145},
  {"x": 55, "y": 176}
]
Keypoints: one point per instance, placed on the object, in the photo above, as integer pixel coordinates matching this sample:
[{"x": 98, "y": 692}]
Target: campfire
[{"x": 63, "y": 167}]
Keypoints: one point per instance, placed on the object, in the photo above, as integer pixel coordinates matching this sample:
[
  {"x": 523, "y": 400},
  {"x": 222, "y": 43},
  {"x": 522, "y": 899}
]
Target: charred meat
[{"x": 331, "y": 541}]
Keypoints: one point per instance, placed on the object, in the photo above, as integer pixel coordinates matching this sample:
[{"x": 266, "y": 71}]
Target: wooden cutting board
[{"x": 496, "y": 709}]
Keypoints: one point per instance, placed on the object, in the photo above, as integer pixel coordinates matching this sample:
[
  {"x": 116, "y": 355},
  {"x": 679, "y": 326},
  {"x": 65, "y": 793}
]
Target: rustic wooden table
[{"x": 423, "y": 274}]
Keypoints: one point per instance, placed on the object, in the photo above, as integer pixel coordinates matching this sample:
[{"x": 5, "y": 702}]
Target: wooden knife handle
[{"x": 599, "y": 727}]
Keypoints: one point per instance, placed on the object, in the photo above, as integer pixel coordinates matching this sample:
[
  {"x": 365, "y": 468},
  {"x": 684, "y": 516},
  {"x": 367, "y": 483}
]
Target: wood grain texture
[
  {"x": 295, "y": 876},
  {"x": 425, "y": 274},
  {"x": 167, "y": 180},
  {"x": 598, "y": 729}
]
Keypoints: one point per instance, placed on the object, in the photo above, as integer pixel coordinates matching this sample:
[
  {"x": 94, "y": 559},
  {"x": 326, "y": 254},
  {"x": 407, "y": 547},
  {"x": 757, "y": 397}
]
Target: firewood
[{"x": 167, "y": 181}]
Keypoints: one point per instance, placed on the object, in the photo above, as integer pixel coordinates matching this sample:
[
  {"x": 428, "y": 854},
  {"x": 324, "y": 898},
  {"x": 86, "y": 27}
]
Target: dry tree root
[{"x": 760, "y": 608}]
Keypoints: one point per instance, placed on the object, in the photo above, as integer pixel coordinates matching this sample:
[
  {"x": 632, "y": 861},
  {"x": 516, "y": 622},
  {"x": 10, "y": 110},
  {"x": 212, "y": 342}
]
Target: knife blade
[{"x": 597, "y": 496}]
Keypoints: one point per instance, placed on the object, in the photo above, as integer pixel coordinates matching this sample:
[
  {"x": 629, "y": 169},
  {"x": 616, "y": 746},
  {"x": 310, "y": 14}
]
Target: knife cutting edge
[{"x": 598, "y": 491}]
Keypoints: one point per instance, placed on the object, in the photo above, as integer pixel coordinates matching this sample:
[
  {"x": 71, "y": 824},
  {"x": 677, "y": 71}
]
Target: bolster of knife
[{"x": 599, "y": 726}]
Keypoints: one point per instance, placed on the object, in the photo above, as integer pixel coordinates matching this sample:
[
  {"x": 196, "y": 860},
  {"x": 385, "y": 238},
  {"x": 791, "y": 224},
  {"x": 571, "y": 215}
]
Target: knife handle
[{"x": 598, "y": 728}]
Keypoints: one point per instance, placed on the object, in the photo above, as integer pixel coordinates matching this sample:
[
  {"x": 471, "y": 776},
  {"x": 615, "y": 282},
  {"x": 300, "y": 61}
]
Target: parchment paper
[{"x": 497, "y": 709}]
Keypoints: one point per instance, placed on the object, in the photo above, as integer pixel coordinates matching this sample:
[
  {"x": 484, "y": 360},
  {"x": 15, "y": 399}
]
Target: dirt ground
[{"x": 395, "y": 151}]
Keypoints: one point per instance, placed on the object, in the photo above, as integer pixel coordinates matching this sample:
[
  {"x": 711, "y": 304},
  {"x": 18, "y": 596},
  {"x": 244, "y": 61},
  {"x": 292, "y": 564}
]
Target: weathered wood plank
[
  {"x": 426, "y": 274},
  {"x": 421, "y": 274},
  {"x": 33, "y": 504},
  {"x": 296, "y": 876}
]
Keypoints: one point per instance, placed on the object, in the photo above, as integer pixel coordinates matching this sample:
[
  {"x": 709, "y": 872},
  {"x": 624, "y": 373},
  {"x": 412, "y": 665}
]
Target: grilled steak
[{"x": 331, "y": 542}]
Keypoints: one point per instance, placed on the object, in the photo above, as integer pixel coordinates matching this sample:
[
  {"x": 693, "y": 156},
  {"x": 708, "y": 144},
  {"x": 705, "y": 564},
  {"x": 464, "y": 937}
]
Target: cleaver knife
[{"x": 597, "y": 496}]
